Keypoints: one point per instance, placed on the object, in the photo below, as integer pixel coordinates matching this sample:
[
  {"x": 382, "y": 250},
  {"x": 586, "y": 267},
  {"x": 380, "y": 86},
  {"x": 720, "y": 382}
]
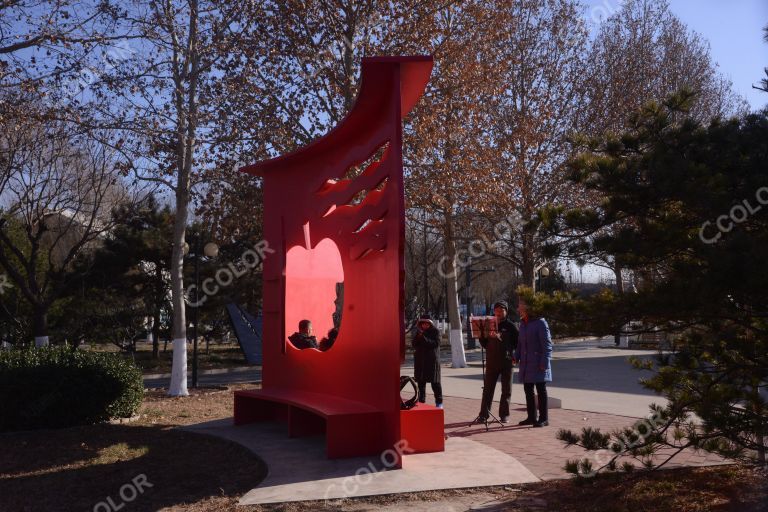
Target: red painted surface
[
  {"x": 423, "y": 429},
  {"x": 310, "y": 286},
  {"x": 351, "y": 428},
  {"x": 320, "y": 235}
]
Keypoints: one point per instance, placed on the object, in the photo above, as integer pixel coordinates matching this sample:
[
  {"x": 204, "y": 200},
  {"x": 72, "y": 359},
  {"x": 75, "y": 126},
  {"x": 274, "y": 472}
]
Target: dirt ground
[
  {"x": 162, "y": 468},
  {"x": 719, "y": 489}
]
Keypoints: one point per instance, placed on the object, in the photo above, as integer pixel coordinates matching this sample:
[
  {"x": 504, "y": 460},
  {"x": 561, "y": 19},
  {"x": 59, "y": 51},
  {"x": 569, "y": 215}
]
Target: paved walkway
[
  {"x": 537, "y": 448},
  {"x": 593, "y": 380},
  {"x": 298, "y": 469},
  {"x": 473, "y": 456},
  {"x": 589, "y": 375},
  {"x": 239, "y": 375}
]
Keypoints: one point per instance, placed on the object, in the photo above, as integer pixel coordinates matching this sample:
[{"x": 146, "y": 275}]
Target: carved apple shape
[{"x": 311, "y": 279}]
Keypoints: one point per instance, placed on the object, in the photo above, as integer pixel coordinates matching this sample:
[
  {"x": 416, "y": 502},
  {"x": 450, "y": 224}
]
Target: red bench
[{"x": 351, "y": 429}]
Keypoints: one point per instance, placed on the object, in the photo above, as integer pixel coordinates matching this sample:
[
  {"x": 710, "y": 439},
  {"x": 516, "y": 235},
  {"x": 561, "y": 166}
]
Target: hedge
[{"x": 54, "y": 387}]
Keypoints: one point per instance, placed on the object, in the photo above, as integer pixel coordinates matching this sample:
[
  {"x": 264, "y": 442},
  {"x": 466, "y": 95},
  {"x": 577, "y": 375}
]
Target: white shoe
[{"x": 439, "y": 406}]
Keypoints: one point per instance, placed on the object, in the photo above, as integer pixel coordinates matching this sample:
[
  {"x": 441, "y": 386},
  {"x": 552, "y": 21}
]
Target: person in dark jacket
[
  {"x": 327, "y": 342},
  {"x": 426, "y": 359},
  {"x": 304, "y": 338},
  {"x": 500, "y": 347},
  {"x": 535, "y": 355}
]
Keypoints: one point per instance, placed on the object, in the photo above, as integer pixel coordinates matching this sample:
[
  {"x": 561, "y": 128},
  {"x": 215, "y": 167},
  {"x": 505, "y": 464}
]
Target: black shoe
[
  {"x": 540, "y": 424},
  {"x": 527, "y": 422},
  {"x": 504, "y": 419}
]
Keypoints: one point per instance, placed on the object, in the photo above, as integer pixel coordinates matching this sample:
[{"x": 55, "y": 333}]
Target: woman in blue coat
[{"x": 534, "y": 354}]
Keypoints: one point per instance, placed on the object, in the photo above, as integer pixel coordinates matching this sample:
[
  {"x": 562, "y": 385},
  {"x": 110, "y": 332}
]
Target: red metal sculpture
[{"x": 329, "y": 222}]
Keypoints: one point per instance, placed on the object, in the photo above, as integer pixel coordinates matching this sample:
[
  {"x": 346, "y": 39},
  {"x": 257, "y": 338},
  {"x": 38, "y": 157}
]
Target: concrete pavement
[
  {"x": 598, "y": 389},
  {"x": 221, "y": 377},
  {"x": 299, "y": 470},
  {"x": 538, "y": 449},
  {"x": 473, "y": 457}
]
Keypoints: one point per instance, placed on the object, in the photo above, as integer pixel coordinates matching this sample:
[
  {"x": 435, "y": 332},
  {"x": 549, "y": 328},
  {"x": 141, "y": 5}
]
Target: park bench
[{"x": 351, "y": 428}]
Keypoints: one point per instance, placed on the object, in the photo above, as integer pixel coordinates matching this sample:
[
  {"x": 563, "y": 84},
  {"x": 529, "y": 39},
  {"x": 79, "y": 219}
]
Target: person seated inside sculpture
[
  {"x": 304, "y": 338},
  {"x": 327, "y": 342}
]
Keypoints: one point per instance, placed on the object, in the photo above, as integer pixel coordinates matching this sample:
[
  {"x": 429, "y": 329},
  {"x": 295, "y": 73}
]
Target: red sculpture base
[
  {"x": 422, "y": 428},
  {"x": 351, "y": 429}
]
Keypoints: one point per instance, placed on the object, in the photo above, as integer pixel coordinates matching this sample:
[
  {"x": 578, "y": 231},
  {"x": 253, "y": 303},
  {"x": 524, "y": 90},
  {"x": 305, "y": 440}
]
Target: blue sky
[{"x": 734, "y": 31}]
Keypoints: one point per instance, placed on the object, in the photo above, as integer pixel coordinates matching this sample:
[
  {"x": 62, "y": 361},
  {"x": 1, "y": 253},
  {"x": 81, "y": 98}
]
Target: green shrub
[{"x": 55, "y": 387}]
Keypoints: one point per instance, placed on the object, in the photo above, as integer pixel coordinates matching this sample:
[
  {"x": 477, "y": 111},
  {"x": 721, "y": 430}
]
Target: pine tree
[
  {"x": 690, "y": 205},
  {"x": 127, "y": 280}
]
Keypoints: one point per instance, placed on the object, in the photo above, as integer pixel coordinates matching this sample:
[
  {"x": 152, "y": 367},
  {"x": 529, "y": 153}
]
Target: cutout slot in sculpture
[{"x": 334, "y": 215}]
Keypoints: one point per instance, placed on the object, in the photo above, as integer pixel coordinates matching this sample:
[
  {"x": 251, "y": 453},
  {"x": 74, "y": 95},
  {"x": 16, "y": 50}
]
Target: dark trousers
[
  {"x": 530, "y": 401},
  {"x": 492, "y": 374},
  {"x": 437, "y": 390}
]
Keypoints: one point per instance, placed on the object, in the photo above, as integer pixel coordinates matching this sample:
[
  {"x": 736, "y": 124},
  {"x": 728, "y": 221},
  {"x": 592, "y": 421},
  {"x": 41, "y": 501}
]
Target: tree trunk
[
  {"x": 40, "y": 326},
  {"x": 760, "y": 439},
  {"x": 156, "y": 334},
  {"x": 178, "y": 385},
  {"x": 620, "y": 290},
  {"x": 458, "y": 357},
  {"x": 348, "y": 53},
  {"x": 617, "y": 269},
  {"x": 186, "y": 109},
  {"x": 158, "y": 301},
  {"x": 528, "y": 269}
]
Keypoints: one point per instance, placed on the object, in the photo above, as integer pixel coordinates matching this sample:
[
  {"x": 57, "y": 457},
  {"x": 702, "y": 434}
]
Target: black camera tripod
[{"x": 490, "y": 419}]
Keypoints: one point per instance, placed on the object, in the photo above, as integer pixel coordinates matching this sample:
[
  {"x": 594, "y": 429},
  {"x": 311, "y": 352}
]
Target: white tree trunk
[
  {"x": 458, "y": 357},
  {"x": 178, "y": 385},
  {"x": 186, "y": 109}
]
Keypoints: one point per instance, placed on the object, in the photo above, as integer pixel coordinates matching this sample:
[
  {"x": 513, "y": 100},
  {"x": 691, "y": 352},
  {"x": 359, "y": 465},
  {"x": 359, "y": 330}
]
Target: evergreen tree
[
  {"x": 689, "y": 203},
  {"x": 126, "y": 282}
]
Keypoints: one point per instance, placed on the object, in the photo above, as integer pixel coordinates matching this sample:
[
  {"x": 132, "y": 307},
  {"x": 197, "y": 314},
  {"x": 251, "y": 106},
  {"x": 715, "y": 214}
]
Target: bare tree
[
  {"x": 423, "y": 249},
  {"x": 448, "y": 144},
  {"x": 57, "y": 190},
  {"x": 645, "y": 53},
  {"x": 52, "y": 49},
  {"x": 161, "y": 107},
  {"x": 302, "y": 77},
  {"x": 297, "y": 77},
  {"x": 533, "y": 116}
]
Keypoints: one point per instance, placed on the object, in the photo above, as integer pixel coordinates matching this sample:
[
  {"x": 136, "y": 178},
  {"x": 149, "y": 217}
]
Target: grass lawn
[{"x": 79, "y": 468}]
